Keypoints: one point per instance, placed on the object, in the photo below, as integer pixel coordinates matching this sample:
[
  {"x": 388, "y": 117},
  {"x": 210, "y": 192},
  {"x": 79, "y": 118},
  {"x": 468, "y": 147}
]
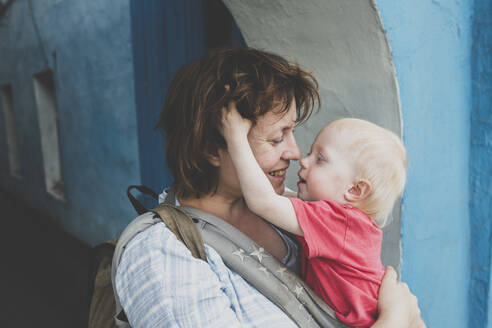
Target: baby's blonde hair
[{"x": 381, "y": 159}]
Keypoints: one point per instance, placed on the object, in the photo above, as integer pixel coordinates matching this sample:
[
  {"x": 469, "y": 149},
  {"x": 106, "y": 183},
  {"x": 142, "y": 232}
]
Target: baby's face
[{"x": 329, "y": 170}]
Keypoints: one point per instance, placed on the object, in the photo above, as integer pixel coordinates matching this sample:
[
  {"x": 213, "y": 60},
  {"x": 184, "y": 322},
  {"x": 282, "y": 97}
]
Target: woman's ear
[
  {"x": 358, "y": 191},
  {"x": 215, "y": 159}
]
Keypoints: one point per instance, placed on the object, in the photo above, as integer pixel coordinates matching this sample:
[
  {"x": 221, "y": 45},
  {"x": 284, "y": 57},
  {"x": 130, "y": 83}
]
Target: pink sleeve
[{"x": 324, "y": 225}]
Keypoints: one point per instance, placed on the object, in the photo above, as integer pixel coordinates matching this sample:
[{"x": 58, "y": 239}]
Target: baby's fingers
[
  {"x": 226, "y": 120},
  {"x": 232, "y": 113}
]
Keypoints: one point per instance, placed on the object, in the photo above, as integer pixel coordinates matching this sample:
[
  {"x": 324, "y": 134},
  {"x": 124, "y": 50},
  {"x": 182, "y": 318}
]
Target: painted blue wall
[
  {"x": 431, "y": 45},
  {"x": 481, "y": 166},
  {"x": 88, "y": 46}
]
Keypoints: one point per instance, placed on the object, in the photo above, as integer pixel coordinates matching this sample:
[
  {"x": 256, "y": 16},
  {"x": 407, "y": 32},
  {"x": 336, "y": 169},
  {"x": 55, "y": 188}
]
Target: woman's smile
[{"x": 278, "y": 173}]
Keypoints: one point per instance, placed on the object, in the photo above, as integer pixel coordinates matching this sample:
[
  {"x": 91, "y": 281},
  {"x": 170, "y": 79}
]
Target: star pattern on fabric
[
  {"x": 259, "y": 253},
  {"x": 298, "y": 290},
  {"x": 263, "y": 269},
  {"x": 281, "y": 271},
  {"x": 301, "y": 303},
  {"x": 240, "y": 253}
]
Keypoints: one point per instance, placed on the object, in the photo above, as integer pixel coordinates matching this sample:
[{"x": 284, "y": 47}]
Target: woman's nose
[{"x": 292, "y": 151}]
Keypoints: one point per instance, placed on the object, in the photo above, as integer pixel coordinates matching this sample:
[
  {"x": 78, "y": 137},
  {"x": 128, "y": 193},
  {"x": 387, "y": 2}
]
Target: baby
[{"x": 348, "y": 184}]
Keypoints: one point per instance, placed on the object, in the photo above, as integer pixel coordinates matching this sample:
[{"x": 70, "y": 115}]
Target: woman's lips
[{"x": 278, "y": 175}]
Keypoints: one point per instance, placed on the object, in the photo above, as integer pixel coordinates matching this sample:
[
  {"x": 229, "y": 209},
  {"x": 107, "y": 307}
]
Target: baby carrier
[{"x": 194, "y": 228}]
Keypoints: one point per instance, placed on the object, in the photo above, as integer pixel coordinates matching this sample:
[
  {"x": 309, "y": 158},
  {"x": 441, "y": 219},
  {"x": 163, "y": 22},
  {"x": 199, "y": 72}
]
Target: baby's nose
[{"x": 303, "y": 162}]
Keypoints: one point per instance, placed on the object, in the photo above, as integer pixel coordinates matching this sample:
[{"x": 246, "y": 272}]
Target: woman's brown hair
[{"x": 258, "y": 82}]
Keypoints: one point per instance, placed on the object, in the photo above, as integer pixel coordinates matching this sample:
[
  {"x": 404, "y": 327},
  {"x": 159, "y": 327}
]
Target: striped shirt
[{"x": 160, "y": 284}]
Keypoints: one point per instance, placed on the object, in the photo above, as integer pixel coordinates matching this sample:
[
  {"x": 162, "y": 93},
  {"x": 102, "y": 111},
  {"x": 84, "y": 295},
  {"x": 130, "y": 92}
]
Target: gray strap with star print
[{"x": 264, "y": 272}]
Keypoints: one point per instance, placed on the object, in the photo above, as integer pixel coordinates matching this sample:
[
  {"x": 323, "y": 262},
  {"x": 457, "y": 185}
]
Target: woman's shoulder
[
  {"x": 158, "y": 244},
  {"x": 153, "y": 254},
  {"x": 155, "y": 235},
  {"x": 156, "y": 240}
]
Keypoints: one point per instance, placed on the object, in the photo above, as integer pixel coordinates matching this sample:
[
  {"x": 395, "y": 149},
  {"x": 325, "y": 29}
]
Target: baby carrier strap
[{"x": 264, "y": 272}]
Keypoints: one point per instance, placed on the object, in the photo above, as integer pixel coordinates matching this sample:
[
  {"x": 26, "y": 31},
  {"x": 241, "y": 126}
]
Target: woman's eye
[{"x": 277, "y": 141}]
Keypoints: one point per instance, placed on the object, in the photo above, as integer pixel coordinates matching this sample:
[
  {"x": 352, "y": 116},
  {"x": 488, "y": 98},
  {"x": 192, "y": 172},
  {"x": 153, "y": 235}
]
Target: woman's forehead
[{"x": 275, "y": 120}]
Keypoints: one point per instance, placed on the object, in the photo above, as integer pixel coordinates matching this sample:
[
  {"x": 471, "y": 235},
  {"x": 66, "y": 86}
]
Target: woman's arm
[
  {"x": 258, "y": 192},
  {"x": 397, "y": 306}
]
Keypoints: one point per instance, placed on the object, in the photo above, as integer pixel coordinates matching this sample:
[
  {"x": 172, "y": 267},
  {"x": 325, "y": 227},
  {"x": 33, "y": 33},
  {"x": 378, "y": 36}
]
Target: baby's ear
[{"x": 358, "y": 191}]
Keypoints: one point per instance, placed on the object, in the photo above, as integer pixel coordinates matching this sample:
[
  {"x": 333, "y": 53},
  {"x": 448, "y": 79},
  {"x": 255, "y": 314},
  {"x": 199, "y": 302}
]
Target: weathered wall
[
  {"x": 87, "y": 44},
  {"x": 431, "y": 44},
  {"x": 344, "y": 45},
  {"x": 481, "y": 167}
]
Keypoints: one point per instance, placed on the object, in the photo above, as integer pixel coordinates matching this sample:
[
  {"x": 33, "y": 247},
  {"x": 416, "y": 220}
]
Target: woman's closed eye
[{"x": 277, "y": 141}]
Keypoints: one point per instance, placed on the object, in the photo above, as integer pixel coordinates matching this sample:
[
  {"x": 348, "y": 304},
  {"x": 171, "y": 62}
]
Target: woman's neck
[
  {"x": 229, "y": 209},
  {"x": 235, "y": 212}
]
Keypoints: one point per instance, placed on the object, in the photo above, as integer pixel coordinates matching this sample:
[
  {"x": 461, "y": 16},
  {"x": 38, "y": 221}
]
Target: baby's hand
[{"x": 233, "y": 124}]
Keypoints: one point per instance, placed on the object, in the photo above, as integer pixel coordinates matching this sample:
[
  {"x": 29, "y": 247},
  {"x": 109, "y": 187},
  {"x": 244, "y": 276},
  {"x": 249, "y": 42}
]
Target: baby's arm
[{"x": 258, "y": 192}]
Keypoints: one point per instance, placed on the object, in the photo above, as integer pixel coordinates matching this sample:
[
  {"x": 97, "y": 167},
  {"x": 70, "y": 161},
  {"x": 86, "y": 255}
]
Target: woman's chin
[{"x": 278, "y": 186}]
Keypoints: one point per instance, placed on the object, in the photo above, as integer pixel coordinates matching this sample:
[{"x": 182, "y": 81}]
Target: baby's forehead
[
  {"x": 344, "y": 136},
  {"x": 334, "y": 132}
]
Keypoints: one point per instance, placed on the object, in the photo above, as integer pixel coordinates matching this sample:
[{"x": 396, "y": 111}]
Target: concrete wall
[
  {"x": 88, "y": 46},
  {"x": 481, "y": 167},
  {"x": 431, "y": 44}
]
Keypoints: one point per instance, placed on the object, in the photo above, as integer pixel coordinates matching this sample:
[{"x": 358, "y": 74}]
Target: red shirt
[{"x": 340, "y": 257}]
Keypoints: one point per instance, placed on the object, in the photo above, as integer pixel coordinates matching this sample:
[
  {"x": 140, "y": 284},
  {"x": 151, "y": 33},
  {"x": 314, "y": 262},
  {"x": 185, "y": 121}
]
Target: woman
[{"x": 158, "y": 282}]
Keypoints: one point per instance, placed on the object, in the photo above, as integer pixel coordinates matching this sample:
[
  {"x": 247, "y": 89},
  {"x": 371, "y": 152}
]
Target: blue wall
[
  {"x": 88, "y": 46},
  {"x": 431, "y": 45},
  {"x": 481, "y": 166},
  {"x": 112, "y": 61},
  {"x": 166, "y": 34}
]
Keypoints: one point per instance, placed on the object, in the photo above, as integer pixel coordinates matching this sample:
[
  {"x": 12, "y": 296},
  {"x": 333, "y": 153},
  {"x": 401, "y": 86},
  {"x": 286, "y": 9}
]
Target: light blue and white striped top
[{"x": 160, "y": 284}]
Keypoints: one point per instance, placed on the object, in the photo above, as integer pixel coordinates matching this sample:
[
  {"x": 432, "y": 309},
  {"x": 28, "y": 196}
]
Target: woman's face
[{"x": 273, "y": 144}]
